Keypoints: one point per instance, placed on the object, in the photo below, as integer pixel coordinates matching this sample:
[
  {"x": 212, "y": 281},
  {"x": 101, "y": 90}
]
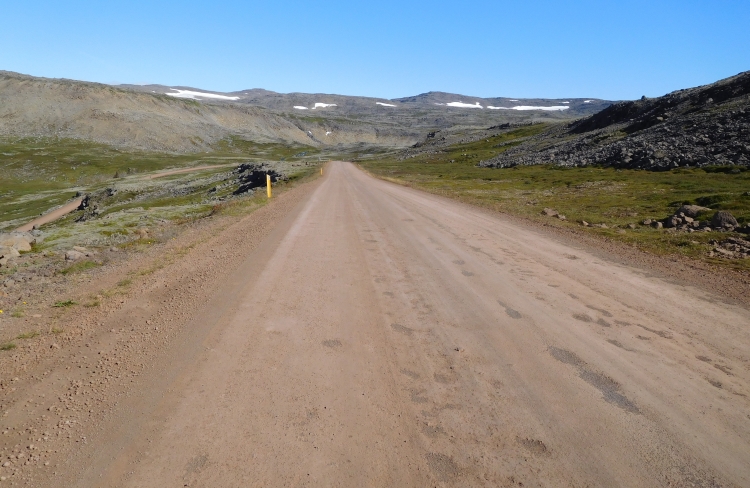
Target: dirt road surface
[
  {"x": 51, "y": 216},
  {"x": 381, "y": 336}
]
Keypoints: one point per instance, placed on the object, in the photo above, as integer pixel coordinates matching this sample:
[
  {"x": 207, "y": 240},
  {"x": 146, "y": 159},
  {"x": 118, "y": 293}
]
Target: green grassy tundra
[{"x": 39, "y": 174}]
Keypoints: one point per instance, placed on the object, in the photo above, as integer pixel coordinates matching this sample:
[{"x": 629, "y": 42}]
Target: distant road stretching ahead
[{"x": 396, "y": 338}]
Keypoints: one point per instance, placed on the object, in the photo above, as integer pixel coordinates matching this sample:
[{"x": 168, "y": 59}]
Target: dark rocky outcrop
[
  {"x": 250, "y": 176},
  {"x": 92, "y": 203},
  {"x": 704, "y": 126}
]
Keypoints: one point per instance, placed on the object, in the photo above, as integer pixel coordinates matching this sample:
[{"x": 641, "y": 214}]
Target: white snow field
[
  {"x": 587, "y": 101},
  {"x": 385, "y": 104},
  {"x": 323, "y": 105},
  {"x": 300, "y": 107},
  {"x": 529, "y": 107},
  {"x": 463, "y": 105},
  {"x": 194, "y": 95}
]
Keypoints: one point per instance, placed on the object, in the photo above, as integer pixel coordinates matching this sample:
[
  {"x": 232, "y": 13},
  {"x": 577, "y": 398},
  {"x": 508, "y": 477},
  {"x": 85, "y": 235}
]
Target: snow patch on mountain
[
  {"x": 463, "y": 105},
  {"x": 530, "y": 107},
  {"x": 385, "y": 104},
  {"x": 194, "y": 95}
]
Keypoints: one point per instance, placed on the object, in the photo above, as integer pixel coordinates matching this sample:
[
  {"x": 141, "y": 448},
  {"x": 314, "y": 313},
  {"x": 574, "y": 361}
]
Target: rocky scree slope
[{"x": 703, "y": 126}]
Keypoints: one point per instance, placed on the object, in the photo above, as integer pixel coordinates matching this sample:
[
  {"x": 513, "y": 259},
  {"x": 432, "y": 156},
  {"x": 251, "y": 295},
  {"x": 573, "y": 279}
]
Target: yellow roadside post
[
  {"x": 268, "y": 185},
  {"x": 321, "y": 171}
]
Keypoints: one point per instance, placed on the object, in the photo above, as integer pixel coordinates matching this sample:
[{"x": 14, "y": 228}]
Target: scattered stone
[
  {"x": 584, "y": 223},
  {"x": 730, "y": 248},
  {"x": 672, "y": 221},
  {"x": 632, "y": 226},
  {"x": 550, "y": 212},
  {"x": 657, "y": 225},
  {"x": 647, "y": 222}
]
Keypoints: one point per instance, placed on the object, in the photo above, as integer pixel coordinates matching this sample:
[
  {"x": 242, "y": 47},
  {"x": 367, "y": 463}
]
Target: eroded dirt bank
[{"x": 360, "y": 333}]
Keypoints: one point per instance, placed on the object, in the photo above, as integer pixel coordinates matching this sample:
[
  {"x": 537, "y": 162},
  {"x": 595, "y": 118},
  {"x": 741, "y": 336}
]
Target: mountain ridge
[{"x": 150, "y": 117}]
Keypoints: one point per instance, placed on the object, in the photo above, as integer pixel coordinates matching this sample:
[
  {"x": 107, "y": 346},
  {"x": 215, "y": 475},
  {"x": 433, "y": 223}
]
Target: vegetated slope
[
  {"x": 703, "y": 126},
  {"x": 39, "y": 107}
]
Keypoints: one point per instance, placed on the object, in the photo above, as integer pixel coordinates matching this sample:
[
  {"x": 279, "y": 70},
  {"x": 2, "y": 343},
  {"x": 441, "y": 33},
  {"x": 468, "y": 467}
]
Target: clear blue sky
[{"x": 605, "y": 49}]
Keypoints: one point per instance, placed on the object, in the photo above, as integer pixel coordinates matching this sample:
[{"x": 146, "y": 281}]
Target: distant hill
[
  {"x": 440, "y": 103},
  {"x": 185, "y": 119}
]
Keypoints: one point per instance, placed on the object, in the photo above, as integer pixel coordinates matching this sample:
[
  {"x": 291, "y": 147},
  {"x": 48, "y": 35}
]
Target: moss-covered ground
[{"x": 39, "y": 174}]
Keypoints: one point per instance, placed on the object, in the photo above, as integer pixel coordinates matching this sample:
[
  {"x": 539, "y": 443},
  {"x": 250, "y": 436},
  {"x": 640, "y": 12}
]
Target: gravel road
[
  {"x": 381, "y": 336},
  {"x": 51, "y": 216}
]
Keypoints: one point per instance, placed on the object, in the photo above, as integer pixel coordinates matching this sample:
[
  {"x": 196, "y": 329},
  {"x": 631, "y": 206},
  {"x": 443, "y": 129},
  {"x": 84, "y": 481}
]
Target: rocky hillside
[
  {"x": 703, "y": 126},
  {"x": 123, "y": 118}
]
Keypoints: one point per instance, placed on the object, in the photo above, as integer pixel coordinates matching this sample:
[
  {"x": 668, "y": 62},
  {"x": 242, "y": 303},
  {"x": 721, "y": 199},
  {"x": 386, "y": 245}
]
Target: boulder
[
  {"x": 657, "y": 225},
  {"x": 9, "y": 252},
  {"x": 550, "y": 212},
  {"x": 20, "y": 241},
  {"x": 73, "y": 255},
  {"x": 691, "y": 211},
  {"x": 722, "y": 218}
]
